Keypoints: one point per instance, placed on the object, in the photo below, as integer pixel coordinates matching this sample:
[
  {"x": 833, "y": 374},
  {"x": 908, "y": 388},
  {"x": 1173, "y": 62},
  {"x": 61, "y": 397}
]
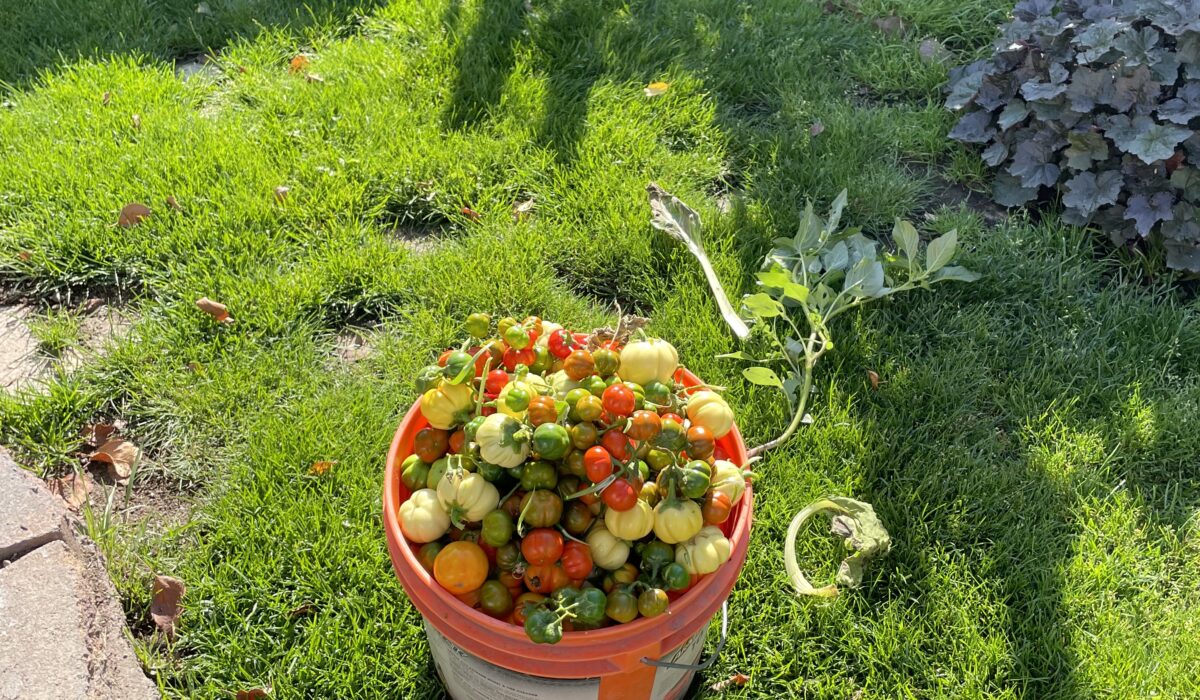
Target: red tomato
[
  {"x": 512, "y": 358},
  {"x": 445, "y": 356},
  {"x": 496, "y": 380},
  {"x": 715, "y": 508},
  {"x": 560, "y": 344},
  {"x": 577, "y": 560},
  {"x": 673, "y": 416},
  {"x": 430, "y": 443},
  {"x": 644, "y": 425},
  {"x": 617, "y": 444},
  {"x": 546, "y": 578},
  {"x": 619, "y": 400},
  {"x": 620, "y": 495},
  {"x": 457, "y": 439},
  {"x": 597, "y": 462},
  {"x": 542, "y": 546}
]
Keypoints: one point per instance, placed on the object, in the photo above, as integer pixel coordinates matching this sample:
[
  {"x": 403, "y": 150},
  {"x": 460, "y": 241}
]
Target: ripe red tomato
[
  {"x": 617, "y": 444},
  {"x": 620, "y": 495},
  {"x": 577, "y": 560},
  {"x": 541, "y": 546},
  {"x": 457, "y": 439},
  {"x": 445, "y": 356},
  {"x": 716, "y": 507},
  {"x": 597, "y": 462},
  {"x": 619, "y": 400},
  {"x": 514, "y": 357},
  {"x": 668, "y": 414},
  {"x": 430, "y": 444},
  {"x": 496, "y": 379},
  {"x": 560, "y": 344},
  {"x": 546, "y": 578}
]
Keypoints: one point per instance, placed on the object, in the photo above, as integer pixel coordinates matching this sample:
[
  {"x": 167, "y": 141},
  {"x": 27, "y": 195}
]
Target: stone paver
[
  {"x": 30, "y": 516},
  {"x": 62, "y": 630}
]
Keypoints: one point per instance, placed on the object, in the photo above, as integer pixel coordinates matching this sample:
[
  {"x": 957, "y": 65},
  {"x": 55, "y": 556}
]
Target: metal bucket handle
[{"x": 707, "y": 662}]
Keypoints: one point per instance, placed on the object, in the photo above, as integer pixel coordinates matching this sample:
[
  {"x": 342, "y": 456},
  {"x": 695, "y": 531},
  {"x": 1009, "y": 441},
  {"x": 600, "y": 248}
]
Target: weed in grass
[{"x": 57, "y": 331}]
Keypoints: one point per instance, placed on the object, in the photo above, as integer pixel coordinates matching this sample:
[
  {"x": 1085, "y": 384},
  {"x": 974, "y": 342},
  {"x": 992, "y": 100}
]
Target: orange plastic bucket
[{"x": 609, "y": 663}]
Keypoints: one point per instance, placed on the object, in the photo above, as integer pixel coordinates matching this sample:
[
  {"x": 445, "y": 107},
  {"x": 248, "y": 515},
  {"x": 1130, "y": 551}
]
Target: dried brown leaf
[
  {"x": 1174, "y": 162},
  {"x": 522, "y": 210},
  {"x": 321, "y": 468},
  {"x": 133, "y": 214},
  {"x": 216, "y": 309},
  {"x": 120, "y": 455},
  {"x": 874, "y": 377},
  {"x": 106, "y": 98},
  {"x": 165, "y": 607},
  {"x": 736, "y": 680},
  {"x": 254, "y": 694},
  {"x": 24, "y": 255},
  {"x": 471, "y": 214},
  {"x": 303, "y": 609},
  {"x": 99, "y": 433},
  {"x": 314, "y": 77},
  {"x": 72, "y": 488},
  {"x": 174, "y": 203},
  {"x": 298, "y": 63}
]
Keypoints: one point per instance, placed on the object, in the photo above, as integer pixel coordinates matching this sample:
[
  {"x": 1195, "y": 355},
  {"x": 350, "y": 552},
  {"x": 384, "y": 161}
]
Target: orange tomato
[
  {"x": 457, "y": 439},
  {"x": 546, "y": 578},
  {"x": 461, "y": 567}
]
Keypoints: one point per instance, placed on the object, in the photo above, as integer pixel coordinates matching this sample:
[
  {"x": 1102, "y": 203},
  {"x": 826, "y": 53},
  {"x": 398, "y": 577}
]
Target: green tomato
[
  {"x": 575, "y": 394},
  {"x": 676, "y": 577},
  {"x": 653, "y": 602},
  {"x": 456, "y": 363},
  {"x": 436, "y": 472},
  {"x": 658, "y": 459},
  {"x": 508, "y": 557},
  {"x": 622, "y": 606},
  {"x": 658, "y": 393},
  {"x": 428, "y": 378},
  {"x": 590, "y": 606},
  {"x": 643, "y": 469},
  {"x": 609, "y": 381},
  {"x": 414, "y": 473},
  {"x": 495, "y": 599},
  {"x": 472, "y": 427},
  {"x": 551, "y": 441},
  {"x": 639, "y": 395},
  {"x": 497, "y": 528},
  {"x": 491, "y": 472},
  {"x": 656, "y": 555},
  {"x": 595, "y": 384},
  {"x": 478, "y": 325},
  {"x": 517, "y": 399},
  {"x": 696, "y": 479},
  {"x": 607, "y": 361},
  {"x": 589, "y": 408},
  {"x": 516, "y": 337},
  {"x": 539, "y": 475},
  {"x": 543, "y": 627},
  {"x": 542, "y": 359},
  {"x": 671, "y": 437}
]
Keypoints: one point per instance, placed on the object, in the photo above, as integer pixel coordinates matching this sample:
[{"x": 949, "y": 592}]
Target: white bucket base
[{"x": 467, "y": 677}]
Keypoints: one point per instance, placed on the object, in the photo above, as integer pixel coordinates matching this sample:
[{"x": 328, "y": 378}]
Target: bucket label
[
  {"x": 469, "y": 678},
  {"x": 666, "y": 680}
]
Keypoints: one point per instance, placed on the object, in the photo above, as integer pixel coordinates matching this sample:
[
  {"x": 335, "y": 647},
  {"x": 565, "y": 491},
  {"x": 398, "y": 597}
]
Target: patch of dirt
[
  {"x": 352, "y": 346},
  {"x": 23, "y": 364},
  {"x": 419, "y": 239},
  {"x": 203, "y": 66},
  {"x": 952, "y": 195}
]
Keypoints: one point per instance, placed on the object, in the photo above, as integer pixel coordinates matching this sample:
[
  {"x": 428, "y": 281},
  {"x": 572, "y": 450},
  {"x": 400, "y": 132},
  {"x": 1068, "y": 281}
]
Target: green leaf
[
  {"x": 837, "y": 257},
  {"x": 739, "y": 355},
  {"x": 795, "y": 292},
  {"x": 865, "y": 279},
  {"x": 762, "y": 377},
  {"x": 774, "y": 278},
  {"x": 956, "y": 274},
  {"x": 941, "y": 251},
  {"x": 762, "y": 305},
  {"x": 809, "y": 235},
  {"x": 907, "y": 239},
  {"x": 835, "y": 212}
]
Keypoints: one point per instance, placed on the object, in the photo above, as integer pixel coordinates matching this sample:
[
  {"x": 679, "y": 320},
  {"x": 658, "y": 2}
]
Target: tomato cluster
[{"x": 566, "y": 481}]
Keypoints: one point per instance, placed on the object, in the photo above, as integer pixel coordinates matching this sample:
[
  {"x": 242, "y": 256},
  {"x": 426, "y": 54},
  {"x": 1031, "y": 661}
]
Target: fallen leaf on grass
[
  {"x": 72, "y": 488},
  {"x": 298, "y": 63},
  {"x": 137, "y": 122},
  {"x": 522, "y": 210},
  {"x": 932, "y": 51},
  {"x": 816, "y": 129},
  {"x": 874, "y": 377},
  {"x": 253, "y": 694},
  {"x": 164, "y": 606},
  {"x": 314, "y": 77},
  {"x": 203, "y": 9},
  {"x": 174, "y": 203},
  {"x": 281, "y": 193},
  {"x": 891, "y": 25},
  {"x": 99, "y": 433},
  {"x": 24, "y": 256},
  {"x": 471, "y": 214},
  {"x": 120, "y": 455},
  {"x": 656, "y": 89},
  {"x": 216, "y": 309},
  {"x": 303, "y": 609},
  {"x": 106, "y": 98},
  {"x": 1172, "y": 164},
  {"x": 737, "y": 679},
  {"x": 133, "y": 214},
  {"x": 320, "y": 468}
]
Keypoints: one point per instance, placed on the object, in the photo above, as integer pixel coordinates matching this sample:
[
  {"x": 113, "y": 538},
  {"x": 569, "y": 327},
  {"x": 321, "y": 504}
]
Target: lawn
[{"x": 1032, "y": 446}]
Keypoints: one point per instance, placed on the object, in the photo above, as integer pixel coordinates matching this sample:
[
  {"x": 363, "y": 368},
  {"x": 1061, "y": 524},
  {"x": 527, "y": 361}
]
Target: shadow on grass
[{"x": 41, "y": 36}]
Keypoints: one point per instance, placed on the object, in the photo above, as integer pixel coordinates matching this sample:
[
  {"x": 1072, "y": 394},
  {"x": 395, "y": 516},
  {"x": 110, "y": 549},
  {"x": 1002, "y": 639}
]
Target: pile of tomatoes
[{"x": 566, "y": 481}]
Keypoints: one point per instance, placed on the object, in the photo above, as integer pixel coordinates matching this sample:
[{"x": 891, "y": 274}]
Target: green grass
[
  {"x": 1032, "y": 447},
  {"x": 55, "y": 331}
]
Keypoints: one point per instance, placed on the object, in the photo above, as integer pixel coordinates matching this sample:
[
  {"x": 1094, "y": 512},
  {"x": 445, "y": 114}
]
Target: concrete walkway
[{"x": 62, "y": 630}]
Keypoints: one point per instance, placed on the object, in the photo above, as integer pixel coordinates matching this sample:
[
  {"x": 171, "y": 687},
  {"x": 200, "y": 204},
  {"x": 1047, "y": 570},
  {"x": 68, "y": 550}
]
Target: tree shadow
[
  {"x": 36, "y": 37},
  {"x": 484, "y": 59}
]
